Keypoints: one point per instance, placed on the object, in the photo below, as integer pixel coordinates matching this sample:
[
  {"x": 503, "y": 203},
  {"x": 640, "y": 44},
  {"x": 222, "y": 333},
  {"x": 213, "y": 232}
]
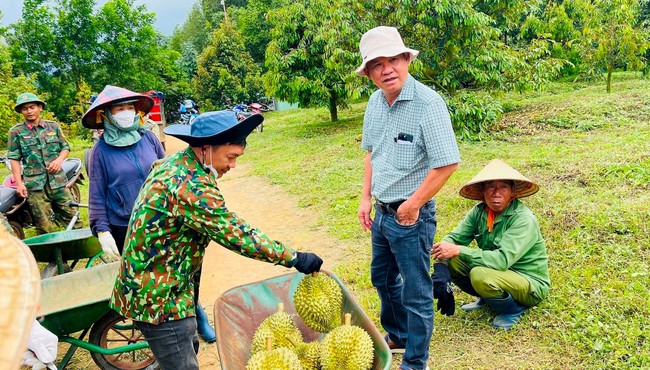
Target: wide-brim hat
[
  {"x": 379, "y": 42},
  {"x": 112, "y": 95},
  {"x": 25, "y": 98},
  {"x": 497, "y": 170},
  {"x": 215, "y": 128}
]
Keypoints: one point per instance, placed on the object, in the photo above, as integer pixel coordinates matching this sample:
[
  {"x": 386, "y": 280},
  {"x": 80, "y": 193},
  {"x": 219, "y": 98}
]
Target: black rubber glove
[
  {"x": 442, "y": 290},
  {"x": 308, "y": 262}
]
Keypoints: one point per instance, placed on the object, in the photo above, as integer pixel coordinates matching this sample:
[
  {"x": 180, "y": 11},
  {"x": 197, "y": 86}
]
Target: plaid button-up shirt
[{"x": 407, "y": 140}]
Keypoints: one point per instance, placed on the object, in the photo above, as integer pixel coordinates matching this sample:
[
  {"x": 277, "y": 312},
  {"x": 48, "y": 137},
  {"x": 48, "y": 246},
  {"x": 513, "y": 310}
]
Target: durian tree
[
  {"x": 305, "y": 60},
  {"x": 615, "y": 38},
  {"x": 226, "y": 73}
]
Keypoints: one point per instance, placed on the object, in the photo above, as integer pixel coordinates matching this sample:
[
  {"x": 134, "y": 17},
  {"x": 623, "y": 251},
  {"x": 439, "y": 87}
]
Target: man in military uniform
[
  {"x": 178, "y": 212},
  {"x": 41, "y": 147}
]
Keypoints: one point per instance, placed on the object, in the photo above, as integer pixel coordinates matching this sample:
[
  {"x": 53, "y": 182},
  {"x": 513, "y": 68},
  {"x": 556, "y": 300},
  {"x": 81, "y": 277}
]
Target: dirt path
[{"x": 269, "y": 208}]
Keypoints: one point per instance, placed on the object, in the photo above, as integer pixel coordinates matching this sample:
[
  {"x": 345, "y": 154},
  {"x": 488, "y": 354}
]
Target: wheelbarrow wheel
[
  {"x": 76, "y": 193},
  {"x": 112, "y": 331},
  {"x": 17, "y": 229},
  {"x": 51, "y": 270}
]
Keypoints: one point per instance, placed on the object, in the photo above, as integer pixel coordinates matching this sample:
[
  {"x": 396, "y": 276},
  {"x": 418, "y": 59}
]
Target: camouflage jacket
[
  {"x": 178, "y": 211},
  {"x": 37, "y": 146}
]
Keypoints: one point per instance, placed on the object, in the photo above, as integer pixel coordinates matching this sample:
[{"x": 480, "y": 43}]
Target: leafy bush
[{"x": 472, "y": 114}]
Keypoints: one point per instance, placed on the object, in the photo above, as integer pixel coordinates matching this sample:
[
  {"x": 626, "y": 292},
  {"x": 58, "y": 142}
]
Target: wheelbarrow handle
[{"x": 75, "y": 204}]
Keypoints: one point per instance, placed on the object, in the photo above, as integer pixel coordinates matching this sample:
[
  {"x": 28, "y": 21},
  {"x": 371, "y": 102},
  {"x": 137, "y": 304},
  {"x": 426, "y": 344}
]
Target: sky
[{"x": 169, "y": 13}]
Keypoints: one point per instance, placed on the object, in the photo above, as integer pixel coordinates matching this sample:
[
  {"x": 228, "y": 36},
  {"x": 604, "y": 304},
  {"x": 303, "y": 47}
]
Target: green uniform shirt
[
  {"x": 178, "y": 211},
  {"x": 37, "y": 146},
  {"x": 515, "y": 243}
]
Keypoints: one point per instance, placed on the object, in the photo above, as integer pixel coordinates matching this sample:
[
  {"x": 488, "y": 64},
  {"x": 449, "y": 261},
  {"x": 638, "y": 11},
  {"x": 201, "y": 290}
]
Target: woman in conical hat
[
  {"x": 119, "y": 162},
  {"x": 509, "y": 269}
]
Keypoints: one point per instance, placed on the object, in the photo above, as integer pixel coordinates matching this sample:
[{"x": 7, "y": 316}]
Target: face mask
[
  {"x": 210, "y": 167},
  {"x": 125, "y": 118}
]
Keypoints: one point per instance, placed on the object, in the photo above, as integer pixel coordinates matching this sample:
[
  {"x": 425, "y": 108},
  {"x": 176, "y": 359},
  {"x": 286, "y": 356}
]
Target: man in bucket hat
[
  {"x": 118, "y": 166},
  {"x": 178, "y": 212},
  {"x": 42, "y": 148},
  {"x": 411, "y": 152},
  {"x": 509, "y": 269}
]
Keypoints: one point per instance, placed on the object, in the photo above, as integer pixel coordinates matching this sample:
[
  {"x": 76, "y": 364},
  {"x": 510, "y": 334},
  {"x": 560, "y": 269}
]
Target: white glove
[
  {"x": 42, "y": 348},
  {"x": 108, "y": 245},
  {"x": 29, "y": 359}
]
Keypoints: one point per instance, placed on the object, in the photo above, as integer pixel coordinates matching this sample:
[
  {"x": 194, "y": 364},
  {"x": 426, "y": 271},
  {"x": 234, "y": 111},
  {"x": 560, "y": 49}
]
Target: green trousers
[
  {"x": 50, "y": 205},
  {"x": 489, "y": 283}
]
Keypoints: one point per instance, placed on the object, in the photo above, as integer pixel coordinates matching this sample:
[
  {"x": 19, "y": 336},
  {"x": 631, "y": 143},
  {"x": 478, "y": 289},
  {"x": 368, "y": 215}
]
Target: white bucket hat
[
  {"x": 498, "y": 170},
  {"x": 379, "y": 42}
]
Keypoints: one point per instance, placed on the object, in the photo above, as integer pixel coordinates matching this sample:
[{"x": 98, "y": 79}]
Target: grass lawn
[{"x": 589, "y": 153}]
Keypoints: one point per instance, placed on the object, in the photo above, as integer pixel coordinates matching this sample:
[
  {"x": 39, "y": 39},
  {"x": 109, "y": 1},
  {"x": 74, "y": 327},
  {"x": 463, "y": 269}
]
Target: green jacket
[
  {"x": 37, "y": 147},
  {"x": 515, "y": 243}
]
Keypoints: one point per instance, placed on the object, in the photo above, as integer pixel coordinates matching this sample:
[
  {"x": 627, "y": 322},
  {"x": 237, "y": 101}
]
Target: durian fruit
[
  {"x": 279, "y": 358},
  {"x": 319, "y": 301},
  {"x": 347, "y": 348},
  {"x": 309, "y": 354},
  {"x": 279, "y": 326}
]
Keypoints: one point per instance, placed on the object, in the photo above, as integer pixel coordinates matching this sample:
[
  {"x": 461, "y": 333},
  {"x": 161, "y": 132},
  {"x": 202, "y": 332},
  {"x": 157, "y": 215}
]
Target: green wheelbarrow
[
  {"x": 59, "y": 247},
  {"x": 78, "y": 302},
  {"x": 239, "y": 311}
]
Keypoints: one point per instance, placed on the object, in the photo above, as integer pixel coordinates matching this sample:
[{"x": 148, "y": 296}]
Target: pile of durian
[{"x": 278, "y": 343}]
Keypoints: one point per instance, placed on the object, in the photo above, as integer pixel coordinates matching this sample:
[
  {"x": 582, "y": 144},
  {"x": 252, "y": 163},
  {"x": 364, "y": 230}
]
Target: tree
[
  {"x": 10, "y": 87},
  {"x": 32, "y": 40},
  {"x": 131, "y": 53},
  {"x": 75, "y": 46},
  {"x": 254, "y": 26},
  {"x": 226, "y": 72},
  {"x": 55, "y": 48},
  {"x": 616, "y": 40},
  {"x": 306, "y": 60},
  {"x": 195, "y": 30}
]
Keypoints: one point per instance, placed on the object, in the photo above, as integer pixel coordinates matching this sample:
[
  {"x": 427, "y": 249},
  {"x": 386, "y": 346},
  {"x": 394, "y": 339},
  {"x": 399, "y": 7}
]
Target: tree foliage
[
  {"x": 305, "y": 63},
  {"x": 306, "y": 50},
  {"x": 226, "y": 72},
  {"x": 66, "y": 43},
  {"x": 132, "y": 55},
  {"x": 617, "y": 41},
  {"x": 254, "y": 26},
  {"x": 10, "y": 87}
]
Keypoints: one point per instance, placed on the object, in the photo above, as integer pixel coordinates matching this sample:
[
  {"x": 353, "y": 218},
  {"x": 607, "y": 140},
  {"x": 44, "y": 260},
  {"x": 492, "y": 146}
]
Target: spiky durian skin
[
  {"x": 279, "y": 358},
  {"x": 310, "y": 355},
  {"x": 319, "y": 301},
  {"x": 279, "y": 326},
  {"x": 347, "y": 348}
]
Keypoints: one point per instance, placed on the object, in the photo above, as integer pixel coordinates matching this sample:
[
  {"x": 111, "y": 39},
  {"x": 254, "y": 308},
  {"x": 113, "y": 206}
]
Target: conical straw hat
[
  {"x": 20, "y": 289},
  {"x": 498, "y": 170}
]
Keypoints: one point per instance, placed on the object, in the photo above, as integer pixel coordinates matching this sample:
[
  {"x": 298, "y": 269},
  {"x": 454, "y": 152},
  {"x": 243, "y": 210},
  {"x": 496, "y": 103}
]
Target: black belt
[{"x": 389, "y": 207}]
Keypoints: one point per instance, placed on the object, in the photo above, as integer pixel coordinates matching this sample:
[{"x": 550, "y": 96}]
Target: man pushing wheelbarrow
[{"x": 178, "y": 212}]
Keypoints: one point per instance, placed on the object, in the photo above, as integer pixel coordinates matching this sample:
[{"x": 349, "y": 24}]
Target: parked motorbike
[
  {"x": 243, "y": 111},
  {"x": 187, "y": 118},
  {"x": 17, "y": 209},
  {"x": 258, "y": 108}
]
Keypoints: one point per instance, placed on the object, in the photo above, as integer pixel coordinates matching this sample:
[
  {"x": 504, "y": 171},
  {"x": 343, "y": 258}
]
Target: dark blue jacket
[{"x": 116, "y": 175}]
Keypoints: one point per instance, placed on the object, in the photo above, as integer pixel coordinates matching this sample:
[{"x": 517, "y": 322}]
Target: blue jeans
[
  {"x": 175, "y": 343},
  {"x": 400, "y": 271}
]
